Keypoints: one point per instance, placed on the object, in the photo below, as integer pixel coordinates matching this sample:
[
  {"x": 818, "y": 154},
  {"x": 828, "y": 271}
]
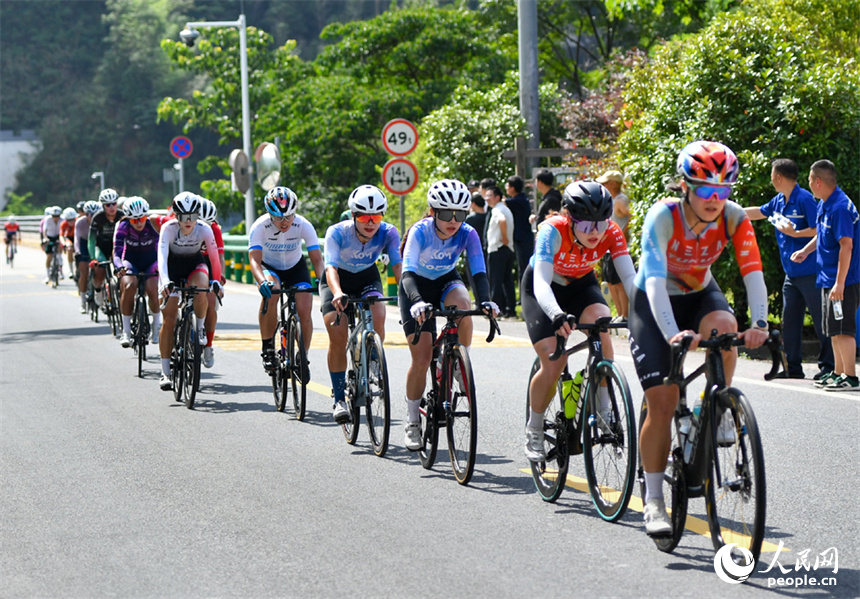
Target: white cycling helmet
[
  {"x": 56, "y": 211},
  {"x": 449, "y": 194},
  {"x": 47, "y": 211},
  {"x": 136, "y": 207},
  {"x": 281, "y": 201},
  {"x": 91, "y": 207},
  {"x": 185, "y": 203},
  {"x": 69, "y": 214},
  {"x": 208, "y": 211},
  {"x": 368, "y": 199},
  {"x": 108, "y": 196},
  {"x": 11, "y": 219}
]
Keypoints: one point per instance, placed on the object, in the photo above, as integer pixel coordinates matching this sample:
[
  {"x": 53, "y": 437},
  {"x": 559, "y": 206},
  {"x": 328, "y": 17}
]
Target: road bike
[
  {"x": 140, "y": 326},
  {"x": 11, "y": 250},
  {"x": 366, "y": 375},
  {"x": 726, "y": 466},
  {"x": 187, "y": 348},
  {"x": 110, "y": 299},
  {"x": 451, "y": 401},
  {"x": 291, "y": 373},
  {"x": 54, "y": 270},
  {"x": 608, "y": 448}
]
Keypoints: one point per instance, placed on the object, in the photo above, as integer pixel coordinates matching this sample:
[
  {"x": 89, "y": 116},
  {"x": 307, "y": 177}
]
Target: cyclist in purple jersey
[
  {"x": 430, "y": 279},
  {"x": 135, "y": 250}
]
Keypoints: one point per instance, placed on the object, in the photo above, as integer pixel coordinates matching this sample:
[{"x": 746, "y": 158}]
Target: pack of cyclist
[{"x": 673, "y": 293}]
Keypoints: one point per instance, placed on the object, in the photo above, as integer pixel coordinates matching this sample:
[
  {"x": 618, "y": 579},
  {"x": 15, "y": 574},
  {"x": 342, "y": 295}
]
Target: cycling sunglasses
[
  {"x": 138, "y": 221},
  {"x": 369, "y": 218},
  {"x": 187, "y": 217},
  {"x": 109, "y": 204},
  {"x": 447, "y": 215},
  {"x": 588, "y": 226},
  {"x": 706, "y": 192},
  {"x": 281, "y": 219}
]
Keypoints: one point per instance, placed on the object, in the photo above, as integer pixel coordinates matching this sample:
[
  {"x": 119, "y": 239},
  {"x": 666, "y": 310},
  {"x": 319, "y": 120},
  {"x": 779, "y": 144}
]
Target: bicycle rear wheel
[
  {"x": 551, "y": 474},
  {"x": 461, "y": 414},
  {"x": 280, "y": 377},
  {"x": 110, "y": 302},
  {"x": 674, "y": 487},
  {"x": 429, "y": 420},
  {"x": 55, "y": 271},
  {"x": 298, "y": 366},
  {"x": 735, "y": 491},
  {"x": 609, "y": 448},
  {"x": 177, "y": 361},
  {"x": 140, "y": 329},
  {"x": 350, "y": 428},
  {"x": 377, "y": 401},
  {"x": 191, "y": 370}
]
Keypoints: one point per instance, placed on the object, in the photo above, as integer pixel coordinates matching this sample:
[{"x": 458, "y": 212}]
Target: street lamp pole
[
  {"x": 101, "y": 177},
  {"x": 250, "y": 210}
]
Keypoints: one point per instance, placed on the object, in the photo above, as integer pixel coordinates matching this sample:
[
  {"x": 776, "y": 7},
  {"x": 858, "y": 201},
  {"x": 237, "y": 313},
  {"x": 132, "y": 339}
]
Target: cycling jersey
[
  {"x": 133, "y": 249},
  {"x": 282, "y": 251},
  {"x": 50, "y": 228},
  {"x": 219, "y": 238},
  {"x": 12, "y": 230},
  {"x": 676, "y": 261},
  {"x": 429, "y": 256},
  {"x": 172, "y": 243},
  {"x": 67, "y": 229},
  {"x": 101, "y": 235},
  {"x": 344, "y": 250},
  {"x": 82, "y": 232}
]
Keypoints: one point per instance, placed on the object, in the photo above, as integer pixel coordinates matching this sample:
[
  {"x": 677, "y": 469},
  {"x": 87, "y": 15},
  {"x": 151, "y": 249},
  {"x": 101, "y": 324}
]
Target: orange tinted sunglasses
[
  {"x": 137, "y": 221},
  {"x": 369, "y": 218}
]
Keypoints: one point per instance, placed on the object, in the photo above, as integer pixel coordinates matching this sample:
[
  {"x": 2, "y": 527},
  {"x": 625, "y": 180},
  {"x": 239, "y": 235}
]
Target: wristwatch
[{"x": 761, "y": 325}]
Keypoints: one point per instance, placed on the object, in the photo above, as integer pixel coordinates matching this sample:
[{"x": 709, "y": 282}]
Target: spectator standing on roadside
[
  {"x": 551, "y": 197},
  {"x": 477, "y": 220},
  {"x": 838, "y": 262},
  {"x": 799, "y": 208},
  {"x": 500, "y": 254},
  {"x": 612, "y": 181},
  {"x": 521, "y": 208}
]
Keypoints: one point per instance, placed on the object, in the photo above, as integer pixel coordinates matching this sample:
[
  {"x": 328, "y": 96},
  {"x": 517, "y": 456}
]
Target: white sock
[
  {"x": 156, "y": 321},
  {"x": 603, "y": 394},
  {"x": 165, "y": 366},
  {"x": 126, "y": 324},
  {"x": 413, "y": 407},
  {"x": 653, "y": 486},
  {"x": 535, "y": 420}
]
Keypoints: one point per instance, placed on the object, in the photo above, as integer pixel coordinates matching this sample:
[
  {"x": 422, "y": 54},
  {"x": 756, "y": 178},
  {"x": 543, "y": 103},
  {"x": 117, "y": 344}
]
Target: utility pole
[{"x": 529, "y": 99}]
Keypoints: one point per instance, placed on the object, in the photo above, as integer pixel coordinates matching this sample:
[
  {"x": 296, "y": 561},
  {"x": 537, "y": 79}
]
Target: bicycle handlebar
[
  {"x": 373, "y": 299},
  {"x": 601, "y": 325},
  {"x": 288, "y": 291},
  {"x": 454, "y": 313}
]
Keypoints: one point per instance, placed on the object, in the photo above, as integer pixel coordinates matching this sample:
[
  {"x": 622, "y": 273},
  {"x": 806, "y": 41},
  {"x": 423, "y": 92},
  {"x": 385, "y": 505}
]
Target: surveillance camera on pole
[{"x": 189, "y": 36}]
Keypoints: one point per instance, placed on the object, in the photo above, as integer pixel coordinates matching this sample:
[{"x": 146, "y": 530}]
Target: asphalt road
[{"x": 109, "y": 488}]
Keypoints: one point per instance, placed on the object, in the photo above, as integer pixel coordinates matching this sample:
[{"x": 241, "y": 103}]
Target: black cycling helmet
[{"x": 587, "y": 200}]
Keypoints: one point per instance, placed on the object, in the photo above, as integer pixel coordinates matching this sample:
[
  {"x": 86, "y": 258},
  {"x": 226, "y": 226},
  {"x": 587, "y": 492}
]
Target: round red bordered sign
[
  {"x": 181, "y": 147},
  {"x": 399, "y": 137},
  {"x": 399, "y": 176}
]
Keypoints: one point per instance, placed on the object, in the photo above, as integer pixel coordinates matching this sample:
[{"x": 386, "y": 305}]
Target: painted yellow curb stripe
[
  {"x": 696, "y": 525},
  {"x": 251, "y": 341}
]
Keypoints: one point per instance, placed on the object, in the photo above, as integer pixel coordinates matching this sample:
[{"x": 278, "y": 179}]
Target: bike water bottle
[
  {"x": 438, "y": 363},
  {"x": 571, "y": 389}
]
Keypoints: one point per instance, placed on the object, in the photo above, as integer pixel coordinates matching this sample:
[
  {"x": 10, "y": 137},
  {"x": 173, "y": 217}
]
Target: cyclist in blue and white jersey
[
  {"x": 430, "y": 280},
  {"x": 275, "y": 252},
  {"x": 351, "y": 250}
]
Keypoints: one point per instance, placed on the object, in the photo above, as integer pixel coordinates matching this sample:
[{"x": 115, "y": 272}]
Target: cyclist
[
  {"x": 67, "y": 237},
  {"x": 135, "y": 250},
  {"x": 209, "y": 214},
  {"x": 13, "y": 233},
  {"x": 675, "y": 294},
  {"x": 100, "y": 239},
  {"x": 351, "y": 250},
  {"x": 82, "y": 252},
  {"x": 49, "y": 232},
  {"x": 431, "y": 249},
  {"x": 275, "y": 254},
  {"x": 180, "y": 259},
  {"x": 559, "y": 282}
]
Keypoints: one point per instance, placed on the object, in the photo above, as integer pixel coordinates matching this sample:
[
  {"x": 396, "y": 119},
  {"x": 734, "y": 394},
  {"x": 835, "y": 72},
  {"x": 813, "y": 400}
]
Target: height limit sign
[{"x": 399, "y": 176}]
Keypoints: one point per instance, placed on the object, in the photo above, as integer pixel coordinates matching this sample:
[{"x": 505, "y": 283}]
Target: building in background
[{"x": 16, "y": 149}]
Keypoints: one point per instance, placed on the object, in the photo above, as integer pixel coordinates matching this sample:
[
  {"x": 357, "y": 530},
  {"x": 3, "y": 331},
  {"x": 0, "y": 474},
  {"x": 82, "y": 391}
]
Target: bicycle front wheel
[
  {"x": 141, "y": 334},
  {"x": 377, "y": 400},
  {"x": 674, "y": 487},
  {"x": 55, "y": 272},
  {"x": 461, "y": 414},
  {"x": 735, "y": 491},
  {"x": 280, "y": 377},
  {"x": 191, "y": 370},
  {"x": 551, "y": 474},
  {"x": 177, "y": 361},
  {"x": 299, "y": 375},
  {"x": 609, "y": 447}
]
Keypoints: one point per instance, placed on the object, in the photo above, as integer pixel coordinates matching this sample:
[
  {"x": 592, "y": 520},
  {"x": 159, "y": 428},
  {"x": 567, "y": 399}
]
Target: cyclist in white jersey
[
  {"x": 351, "y": 250},
  {"x": 181, "y": 263},
  {"x": 49, "y": 231},
  {"x": 275, "y": 253},
  {"x": 82, "y": 252}
]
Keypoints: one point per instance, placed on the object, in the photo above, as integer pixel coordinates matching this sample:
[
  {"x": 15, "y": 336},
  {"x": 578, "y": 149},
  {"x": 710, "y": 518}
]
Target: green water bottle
[{"x": 570, "y": 389}]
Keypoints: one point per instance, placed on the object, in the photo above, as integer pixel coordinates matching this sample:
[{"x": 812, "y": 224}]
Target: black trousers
[{"x": 501, "y": 265}]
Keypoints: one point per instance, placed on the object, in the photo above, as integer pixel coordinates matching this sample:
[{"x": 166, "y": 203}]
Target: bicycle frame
[{"x": 358, "y": 331}]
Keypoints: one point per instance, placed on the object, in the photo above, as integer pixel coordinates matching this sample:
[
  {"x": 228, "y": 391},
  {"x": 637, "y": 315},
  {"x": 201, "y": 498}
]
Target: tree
[{"x": 759, "y": 80}]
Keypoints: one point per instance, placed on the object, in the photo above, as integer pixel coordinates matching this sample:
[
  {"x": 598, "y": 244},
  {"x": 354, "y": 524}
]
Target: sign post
[
  {"x": 181, "y": 148},
  {"x": 400, "y": 138}
]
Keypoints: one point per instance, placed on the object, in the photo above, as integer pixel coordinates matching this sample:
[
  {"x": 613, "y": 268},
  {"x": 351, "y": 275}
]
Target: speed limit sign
[
  {"x": 399, "y": 176},
  {"x": 399, "y": 137}
]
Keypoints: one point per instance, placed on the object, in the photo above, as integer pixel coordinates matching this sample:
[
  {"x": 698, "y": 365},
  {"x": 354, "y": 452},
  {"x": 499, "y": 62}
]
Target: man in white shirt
[{"x": 500, "y": 253}]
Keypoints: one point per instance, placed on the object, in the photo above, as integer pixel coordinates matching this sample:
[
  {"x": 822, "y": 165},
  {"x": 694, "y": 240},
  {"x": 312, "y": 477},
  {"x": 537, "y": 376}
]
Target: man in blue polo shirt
[
  {"x": 799, "y": 292},
  {"x": 837, "y": 242}
]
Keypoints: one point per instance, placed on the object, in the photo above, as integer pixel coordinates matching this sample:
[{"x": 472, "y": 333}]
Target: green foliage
[
  {"x": 20, "y": 205},
  {"x": 760, "y": 81}
]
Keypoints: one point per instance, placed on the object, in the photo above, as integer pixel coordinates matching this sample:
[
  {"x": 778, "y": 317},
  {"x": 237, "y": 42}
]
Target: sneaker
[
  {"x": 534, "y": 448},
  {"x": 306, "y": 378},
  {"x": 201, "y": 336},
  {"x": 340, "y": 413},
  {"x": 165, "y": 383},
  {"x": 208, "y": 356},
  {"x": 270, "y": 363},
  {"x": 83, "y": 307},
  {"x": 843, "y": 383},
  {"x": 412, "y": 436},
  {"x": 47, "y": 280},
  {"x": 821, "y": 373},
  {"x": 825, "y": 380},
  {"x": 125, "y": 339},
  {"x": 726, "y": 434},
  {"x": 604, "y": 420},
  {"x": 458, "y": 376},
  {"x": 153, "y": 335},
  {"x": 657, "y": 523}
]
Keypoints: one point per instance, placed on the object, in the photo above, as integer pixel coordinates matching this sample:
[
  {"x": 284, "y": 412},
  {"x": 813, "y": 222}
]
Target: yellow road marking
[
  {"x": 50, "y": 292},
  {"x": 696, "y": 525},
  {"x": 251, "y": 341}
]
